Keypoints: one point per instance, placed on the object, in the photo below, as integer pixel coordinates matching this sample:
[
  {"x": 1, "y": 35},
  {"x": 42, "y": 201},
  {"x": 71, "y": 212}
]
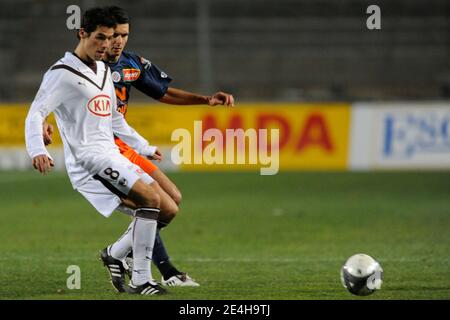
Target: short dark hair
[
  {"x": 120, "y": 15},
  {"x": 95, "y": 17}
]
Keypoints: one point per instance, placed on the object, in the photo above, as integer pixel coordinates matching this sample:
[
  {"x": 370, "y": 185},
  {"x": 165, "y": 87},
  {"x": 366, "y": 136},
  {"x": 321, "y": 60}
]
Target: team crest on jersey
[
  {"x": 130, "y": 75},
  {"x": 115, "y": 76},
  {"x": 100, "y": 105},
  {"x": 147, "y": 64}
]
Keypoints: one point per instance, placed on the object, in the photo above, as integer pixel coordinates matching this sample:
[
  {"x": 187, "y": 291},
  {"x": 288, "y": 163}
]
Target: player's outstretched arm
[
  {"x": 34, "y": 130},
  {"x": 46, "y": 101},
  {"x": 181, "y": 97}
]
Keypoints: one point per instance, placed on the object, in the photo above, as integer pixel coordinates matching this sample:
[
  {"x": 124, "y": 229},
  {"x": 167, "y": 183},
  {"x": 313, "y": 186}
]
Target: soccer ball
[{"x": 361, "y": 275}]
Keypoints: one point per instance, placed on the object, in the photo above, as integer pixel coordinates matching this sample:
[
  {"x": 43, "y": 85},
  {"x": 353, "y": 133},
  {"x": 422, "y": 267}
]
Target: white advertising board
[{"x": 400, "y": 136}]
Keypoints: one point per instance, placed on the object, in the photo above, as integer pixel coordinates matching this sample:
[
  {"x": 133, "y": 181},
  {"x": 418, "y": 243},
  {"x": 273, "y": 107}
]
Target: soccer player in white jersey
[{"x": 78, "y": 89}]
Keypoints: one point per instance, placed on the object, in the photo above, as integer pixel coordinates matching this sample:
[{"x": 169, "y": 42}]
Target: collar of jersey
[{"x": 76, "y": 63}]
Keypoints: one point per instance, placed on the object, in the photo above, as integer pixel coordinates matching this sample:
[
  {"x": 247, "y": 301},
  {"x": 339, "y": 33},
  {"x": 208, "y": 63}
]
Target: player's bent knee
[
  {"x": 144, "y": 195},
  {"x": 168, "y": 207},
  {"x": 168, "y": 213},
  {"x": 174, "y": 194},
  {"x": 153, "y": 198},
  {"x": 177, "y": 197},
  {"x": 172, "y": 211},
  {"x": 175, "y": 210}
]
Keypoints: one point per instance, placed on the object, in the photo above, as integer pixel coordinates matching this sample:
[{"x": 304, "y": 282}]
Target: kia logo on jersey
[
  {"x": 130, "y": 75},
  {"x": 100, "y": 105}
]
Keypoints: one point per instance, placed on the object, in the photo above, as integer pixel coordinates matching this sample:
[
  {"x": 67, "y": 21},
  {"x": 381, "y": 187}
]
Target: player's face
[
  {"x": 96, "y": 43},
  {"x": 119, "y": 41}
]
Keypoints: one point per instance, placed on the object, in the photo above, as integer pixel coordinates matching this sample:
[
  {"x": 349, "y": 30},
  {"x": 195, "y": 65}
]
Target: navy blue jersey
[{"x": 132, "y": 70}]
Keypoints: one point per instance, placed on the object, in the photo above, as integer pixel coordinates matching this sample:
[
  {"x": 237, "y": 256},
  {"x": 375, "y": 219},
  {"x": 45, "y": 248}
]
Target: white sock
[
  {"x": 119, "y": 249},
  {"x": 143, "y": 235}
]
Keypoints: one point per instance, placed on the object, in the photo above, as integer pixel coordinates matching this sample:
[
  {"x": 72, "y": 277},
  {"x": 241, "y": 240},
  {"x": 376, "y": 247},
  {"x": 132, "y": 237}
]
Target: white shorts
[{"x": 105, "y": 189}]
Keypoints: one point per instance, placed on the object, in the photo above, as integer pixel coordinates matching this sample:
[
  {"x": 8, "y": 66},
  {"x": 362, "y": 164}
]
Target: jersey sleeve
[
  {"x": 48, "y": 98},
  {"x": 152, "y": 81},
  {"x": 130, "y": 136},
  {"x": 126, "y": 133}
]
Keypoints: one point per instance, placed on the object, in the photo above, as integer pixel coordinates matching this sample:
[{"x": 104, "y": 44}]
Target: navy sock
[
  {"x": 161, "y": 259},
  {"x": 159, "y": 250}
]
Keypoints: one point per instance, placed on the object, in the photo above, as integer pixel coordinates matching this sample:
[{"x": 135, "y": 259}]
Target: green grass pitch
[{"x": 240, "y": 235}]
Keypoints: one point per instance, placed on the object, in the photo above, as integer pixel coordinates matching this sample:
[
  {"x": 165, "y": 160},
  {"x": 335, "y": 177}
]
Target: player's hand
[
  {"x": 42, "y": 163},
  {"x": 47, "y": 133},
  {"x": 221, "y": 98},
  {"x": 157, "y": 156}
]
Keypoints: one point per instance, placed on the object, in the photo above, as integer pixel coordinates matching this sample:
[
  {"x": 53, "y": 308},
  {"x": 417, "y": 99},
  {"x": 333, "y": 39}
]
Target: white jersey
[{"x": 84, "y": 104}]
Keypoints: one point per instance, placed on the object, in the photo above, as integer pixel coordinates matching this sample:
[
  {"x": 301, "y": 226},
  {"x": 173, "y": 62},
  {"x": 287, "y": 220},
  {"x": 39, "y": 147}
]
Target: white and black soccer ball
[{"x": 361, "y": 275}]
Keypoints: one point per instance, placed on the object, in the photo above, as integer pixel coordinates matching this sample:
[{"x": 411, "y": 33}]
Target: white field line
[{"x": 225, "y": 260}]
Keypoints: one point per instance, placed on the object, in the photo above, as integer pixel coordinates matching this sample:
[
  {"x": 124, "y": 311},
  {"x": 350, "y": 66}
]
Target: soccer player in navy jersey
[{"x": 130, "y": 70}]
